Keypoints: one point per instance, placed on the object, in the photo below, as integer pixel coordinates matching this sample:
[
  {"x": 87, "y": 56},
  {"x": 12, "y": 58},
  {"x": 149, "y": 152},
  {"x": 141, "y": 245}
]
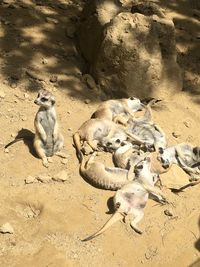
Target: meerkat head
[
  {"x": 45, "y": 99},
  {"x": 164, "y": 157},
  {"x": 134, "y": 103}
]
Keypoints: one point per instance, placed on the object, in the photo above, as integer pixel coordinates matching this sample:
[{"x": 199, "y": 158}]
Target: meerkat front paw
[{"x": 45, "y": 163}]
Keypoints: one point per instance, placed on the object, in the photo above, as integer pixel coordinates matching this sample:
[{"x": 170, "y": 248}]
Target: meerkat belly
[
  {"x": 48, "y": 124},
  {"x": 101, "y": 132},
  {"x": 116, "y": 109}
]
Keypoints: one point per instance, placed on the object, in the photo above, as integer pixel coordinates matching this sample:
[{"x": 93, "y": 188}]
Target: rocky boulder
[{"x": 129, "y": 53}]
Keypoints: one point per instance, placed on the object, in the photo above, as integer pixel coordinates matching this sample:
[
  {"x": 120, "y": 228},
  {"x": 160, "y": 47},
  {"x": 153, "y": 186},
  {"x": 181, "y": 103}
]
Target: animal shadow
[{"x": 27, "y": 137}]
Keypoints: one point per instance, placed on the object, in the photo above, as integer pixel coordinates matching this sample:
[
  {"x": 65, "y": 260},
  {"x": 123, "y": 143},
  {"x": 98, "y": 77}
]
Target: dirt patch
[{"x": 50, "y": 219}]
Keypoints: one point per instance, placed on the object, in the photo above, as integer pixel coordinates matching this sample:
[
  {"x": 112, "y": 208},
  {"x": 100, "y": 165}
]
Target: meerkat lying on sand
[
  {"x": 132, "y": 154},
  {"x": 94, "y": 131},
  {"x": 127, "y": 154},
  {"x": 118, "y": 110},
  {"x": 47, "y": 139},
  {"x": 131, "y": 200},
  {"x": 111, "y": 178},
  {"x": 147, "y": 130},
  {"x": 185, "y": 155}
]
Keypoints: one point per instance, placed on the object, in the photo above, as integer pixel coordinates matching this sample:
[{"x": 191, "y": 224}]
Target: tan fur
[
  {"x": 118, "y": 110},
  {"x": 94, "y": 131},
  {"x": 48, "y": 140}
]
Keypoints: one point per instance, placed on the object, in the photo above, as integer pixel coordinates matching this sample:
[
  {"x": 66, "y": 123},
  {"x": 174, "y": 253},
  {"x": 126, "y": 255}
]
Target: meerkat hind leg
[
  {"x": 41, "y": 152},
  {"x": 121, "y": 120},
  {"x": 138, "y": 215}
]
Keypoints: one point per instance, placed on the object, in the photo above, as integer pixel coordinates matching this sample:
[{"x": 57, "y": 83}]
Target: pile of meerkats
[{"x": 138, "y": 146}]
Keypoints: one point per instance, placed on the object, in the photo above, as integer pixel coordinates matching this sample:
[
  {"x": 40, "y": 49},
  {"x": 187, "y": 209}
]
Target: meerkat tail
[
  {"x": 77, "y": 143},
  {"x": 17, "y": 140},
  {"x": 186, "y": 186},
  {"x": 117, "y": 216}
]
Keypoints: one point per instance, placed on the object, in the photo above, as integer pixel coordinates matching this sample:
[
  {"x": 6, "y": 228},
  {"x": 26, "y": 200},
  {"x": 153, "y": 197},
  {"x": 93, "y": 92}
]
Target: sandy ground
[{"x": 50, "y": 218}]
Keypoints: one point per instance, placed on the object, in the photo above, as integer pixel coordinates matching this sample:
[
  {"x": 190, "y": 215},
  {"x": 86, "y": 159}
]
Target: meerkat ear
[{"x": 161, "y": 150}]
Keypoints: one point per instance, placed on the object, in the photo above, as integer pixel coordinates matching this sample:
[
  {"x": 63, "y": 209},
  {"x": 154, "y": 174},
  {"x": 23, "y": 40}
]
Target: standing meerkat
[{"x": 48, "y": 140}]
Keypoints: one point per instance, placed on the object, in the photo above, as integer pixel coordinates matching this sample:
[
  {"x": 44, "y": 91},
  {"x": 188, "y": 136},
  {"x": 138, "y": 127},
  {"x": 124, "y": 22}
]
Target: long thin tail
[
  {"x": 77, "y": 143},
  {"x": 186, "y": 186},
  {"x": 114, "y": 218},
  {"x": 19, "y": 139}
]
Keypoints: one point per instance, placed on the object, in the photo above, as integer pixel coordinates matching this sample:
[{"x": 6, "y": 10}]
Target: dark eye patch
[
  {"x": 44, "y": 99},
  {"x": 131, "y": 98},
  {"x": 195, "y": 150},
  {"x": 117, "y": 141},
  {"x": 140, "y": 167},
  {"x": 161, "y": 151},
  {"x": 109, "y": 144}
]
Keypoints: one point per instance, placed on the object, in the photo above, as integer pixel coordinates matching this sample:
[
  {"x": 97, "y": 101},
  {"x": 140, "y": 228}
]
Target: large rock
[{"x": 129, "y": 53}]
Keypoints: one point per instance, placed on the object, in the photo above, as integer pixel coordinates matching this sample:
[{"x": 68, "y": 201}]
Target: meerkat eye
[
  {"x": 44, "y": 99},
  {"x": 161, "y": 151},
  {"x": 195, "y": 150},
  {"x": 117, "y": 141},
  {"x": 131, "y": 98},
  {"x": 140, "y": 167},
  {"x": 117, "y": 205},
  {"x": 109, "y": 144}
]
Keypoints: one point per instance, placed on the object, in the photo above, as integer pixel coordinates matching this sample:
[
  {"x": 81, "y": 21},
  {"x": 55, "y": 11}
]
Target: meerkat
[
  {"x": 111, "y": 178},
  {"x": 133, "y": 154},
  {"x": 127, "y": 153},
  {"x": 48, "y": 140},
  {"x": 118, "y": 110},
  {"x": 131, "y": 200},
  {"x": 184, "y": 154},
  {"x": 94, "y": 131}
]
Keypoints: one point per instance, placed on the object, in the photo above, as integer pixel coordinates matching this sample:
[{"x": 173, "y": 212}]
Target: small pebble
[
  {"x": 69, "y": 129},
  {"x": 89, "y": 81},
  {"x": 6, "y": 229},
  {"x": 62, "y": 176},
  {"x": 64, "y": 161},
  {"x": 44, "y": 61},
  {"x": 2, "y": 94},
  {"x": 6, "y": 82},
  {"x": 26, "y": 96},
  {"x": 187, "y": 124},
  {"x": 30, "y": 179},
  {"x": 53, "y": 79},
  {"x": 6, "y": 150},
  {"x": 51, "y": 20},
  {"x": 24, "y": 118},
  {"x": 87, "y": 101},
  {"x": 13, "y": 85},
  {"x": 13, "y": 134},
  {"x": 44, "y": 178},
  {"x": 168, "y": 213},
  {"x": 176, "y": 135}
]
